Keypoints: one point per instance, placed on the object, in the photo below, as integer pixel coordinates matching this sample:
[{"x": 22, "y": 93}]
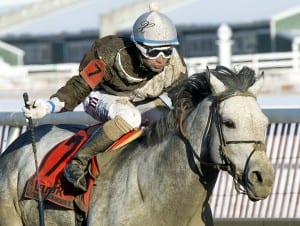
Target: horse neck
[
  {"x": 175, "y": 160},
  {"x": 161, "y": 172},
  {"x": 195, "y": 126},
  {"x": 171, "y": 155}
]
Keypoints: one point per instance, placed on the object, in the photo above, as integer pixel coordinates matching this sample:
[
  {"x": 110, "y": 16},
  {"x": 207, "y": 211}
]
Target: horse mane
[
  {"x": 235, "y": 80},
  {"x": 189, "y": 93}
]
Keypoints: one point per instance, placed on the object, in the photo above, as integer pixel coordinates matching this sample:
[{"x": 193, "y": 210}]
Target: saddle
[{"x": 53, "y": 185}]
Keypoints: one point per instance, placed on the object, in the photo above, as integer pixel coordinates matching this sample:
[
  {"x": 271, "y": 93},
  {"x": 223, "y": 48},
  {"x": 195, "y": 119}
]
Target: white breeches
[{"x": 103, "y": 107}]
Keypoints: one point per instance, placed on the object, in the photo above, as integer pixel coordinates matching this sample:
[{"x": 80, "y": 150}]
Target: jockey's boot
[
  {"x": 76, "y": 170},
  {"x": 100, "y": 140}
]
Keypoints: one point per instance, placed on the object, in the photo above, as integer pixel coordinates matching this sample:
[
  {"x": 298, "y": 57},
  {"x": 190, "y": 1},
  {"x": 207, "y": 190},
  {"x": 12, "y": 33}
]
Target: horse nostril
[{"x": 255, "y": 177}]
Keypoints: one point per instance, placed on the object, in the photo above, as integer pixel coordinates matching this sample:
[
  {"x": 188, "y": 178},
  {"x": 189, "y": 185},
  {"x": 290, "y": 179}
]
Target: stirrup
[
  {"x": 83, "y": 185},
  {"x": 77, "y": 182}
]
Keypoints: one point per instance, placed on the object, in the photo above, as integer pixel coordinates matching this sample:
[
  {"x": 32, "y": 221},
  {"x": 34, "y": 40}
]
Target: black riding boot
[
  {"x": 100, "y": 140},
  {"x": 75, "y": 171}
]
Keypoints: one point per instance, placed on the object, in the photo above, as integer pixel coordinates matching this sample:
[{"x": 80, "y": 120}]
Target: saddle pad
[
  {"x": 53, "y": 185},
  {"x": 125, "y": 139}
]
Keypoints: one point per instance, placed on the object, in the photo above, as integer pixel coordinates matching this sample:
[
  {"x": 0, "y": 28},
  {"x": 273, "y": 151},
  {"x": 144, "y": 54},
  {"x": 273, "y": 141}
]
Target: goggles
[{"x": 155, "y": 52}]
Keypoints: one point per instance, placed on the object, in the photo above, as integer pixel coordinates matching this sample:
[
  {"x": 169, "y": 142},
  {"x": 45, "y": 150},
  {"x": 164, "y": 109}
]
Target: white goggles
[{"x": 155, "y": 52}]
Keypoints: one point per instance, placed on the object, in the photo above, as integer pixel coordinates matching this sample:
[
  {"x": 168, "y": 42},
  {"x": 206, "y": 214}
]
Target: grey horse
[{"x": 167, "y": 176}]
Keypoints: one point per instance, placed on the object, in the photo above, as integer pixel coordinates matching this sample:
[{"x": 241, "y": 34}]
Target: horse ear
[
  {"x": 216, "y": 85},
  {"x": 257, "y": 86}
]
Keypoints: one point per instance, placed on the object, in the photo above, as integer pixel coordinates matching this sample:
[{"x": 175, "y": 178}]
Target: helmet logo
[{"x": 145, "y": 24}]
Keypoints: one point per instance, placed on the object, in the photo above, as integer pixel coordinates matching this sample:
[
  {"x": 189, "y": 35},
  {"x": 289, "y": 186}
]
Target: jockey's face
[
  {"x": 155, "y": 65},
  {"x": 155, "y": 58}
]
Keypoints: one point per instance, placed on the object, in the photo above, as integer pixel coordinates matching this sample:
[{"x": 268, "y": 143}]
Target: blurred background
[{"x": 43, "y": 41}]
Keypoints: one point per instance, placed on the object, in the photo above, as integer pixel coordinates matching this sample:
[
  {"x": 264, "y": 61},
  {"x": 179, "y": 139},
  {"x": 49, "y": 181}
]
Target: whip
[{"x": 33, "y": 142}]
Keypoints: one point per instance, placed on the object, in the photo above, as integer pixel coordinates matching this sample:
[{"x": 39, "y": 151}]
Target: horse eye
[{"x": 229, "y": 124}]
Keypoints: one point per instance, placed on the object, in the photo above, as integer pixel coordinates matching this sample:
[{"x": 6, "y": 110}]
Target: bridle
[{"x": 226, "y": 164}]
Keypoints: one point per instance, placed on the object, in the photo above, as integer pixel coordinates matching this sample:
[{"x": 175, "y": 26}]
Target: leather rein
[{"x": 226, "y": 164}]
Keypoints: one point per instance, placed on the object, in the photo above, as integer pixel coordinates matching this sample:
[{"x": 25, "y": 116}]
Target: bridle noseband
[{"x": 225, "y": 164}]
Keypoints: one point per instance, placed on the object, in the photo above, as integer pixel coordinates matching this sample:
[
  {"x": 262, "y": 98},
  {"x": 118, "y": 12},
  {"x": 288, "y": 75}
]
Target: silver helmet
[{"x": 154, "y": 29}]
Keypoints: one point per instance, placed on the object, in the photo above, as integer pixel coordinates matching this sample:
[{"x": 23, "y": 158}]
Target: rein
[{"x": 226, "y": 164}]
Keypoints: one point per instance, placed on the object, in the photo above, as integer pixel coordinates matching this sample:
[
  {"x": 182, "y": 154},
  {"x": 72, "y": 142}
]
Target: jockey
[{"x": 116, "y": 76}]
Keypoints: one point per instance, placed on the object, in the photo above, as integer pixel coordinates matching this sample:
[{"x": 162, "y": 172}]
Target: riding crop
[{"x": 40, "y": 199}]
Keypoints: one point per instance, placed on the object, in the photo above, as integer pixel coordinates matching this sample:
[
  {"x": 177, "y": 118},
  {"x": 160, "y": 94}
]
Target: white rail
[
  {"x": 12, "y": 124},
  {"x": 280, "y": 61},
  {"x": 269, "y": 62}
]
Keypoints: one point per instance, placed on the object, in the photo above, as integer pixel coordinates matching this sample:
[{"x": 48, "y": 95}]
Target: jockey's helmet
[{"x": 154, "y": 29}]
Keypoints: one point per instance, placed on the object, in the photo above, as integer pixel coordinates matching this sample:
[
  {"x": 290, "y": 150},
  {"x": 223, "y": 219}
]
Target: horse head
[
  {"x": 233, "y": 137},
  {"x": 237, "y": 130}
]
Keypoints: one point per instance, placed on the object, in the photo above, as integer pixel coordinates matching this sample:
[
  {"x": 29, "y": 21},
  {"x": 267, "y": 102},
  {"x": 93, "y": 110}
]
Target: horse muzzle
[{"x": 258, "y": 177}]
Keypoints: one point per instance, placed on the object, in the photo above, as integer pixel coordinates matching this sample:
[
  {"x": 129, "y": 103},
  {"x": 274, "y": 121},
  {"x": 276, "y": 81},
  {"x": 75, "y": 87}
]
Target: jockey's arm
[
  {"x": 65, "y": 99},
  {"x": 71, "y": 94},
  {"x": 79, "y": 87}
]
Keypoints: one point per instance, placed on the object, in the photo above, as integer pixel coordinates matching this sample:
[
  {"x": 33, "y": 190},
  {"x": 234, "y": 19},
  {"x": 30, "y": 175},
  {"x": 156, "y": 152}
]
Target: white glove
[{"x": 37, "y": 109}]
